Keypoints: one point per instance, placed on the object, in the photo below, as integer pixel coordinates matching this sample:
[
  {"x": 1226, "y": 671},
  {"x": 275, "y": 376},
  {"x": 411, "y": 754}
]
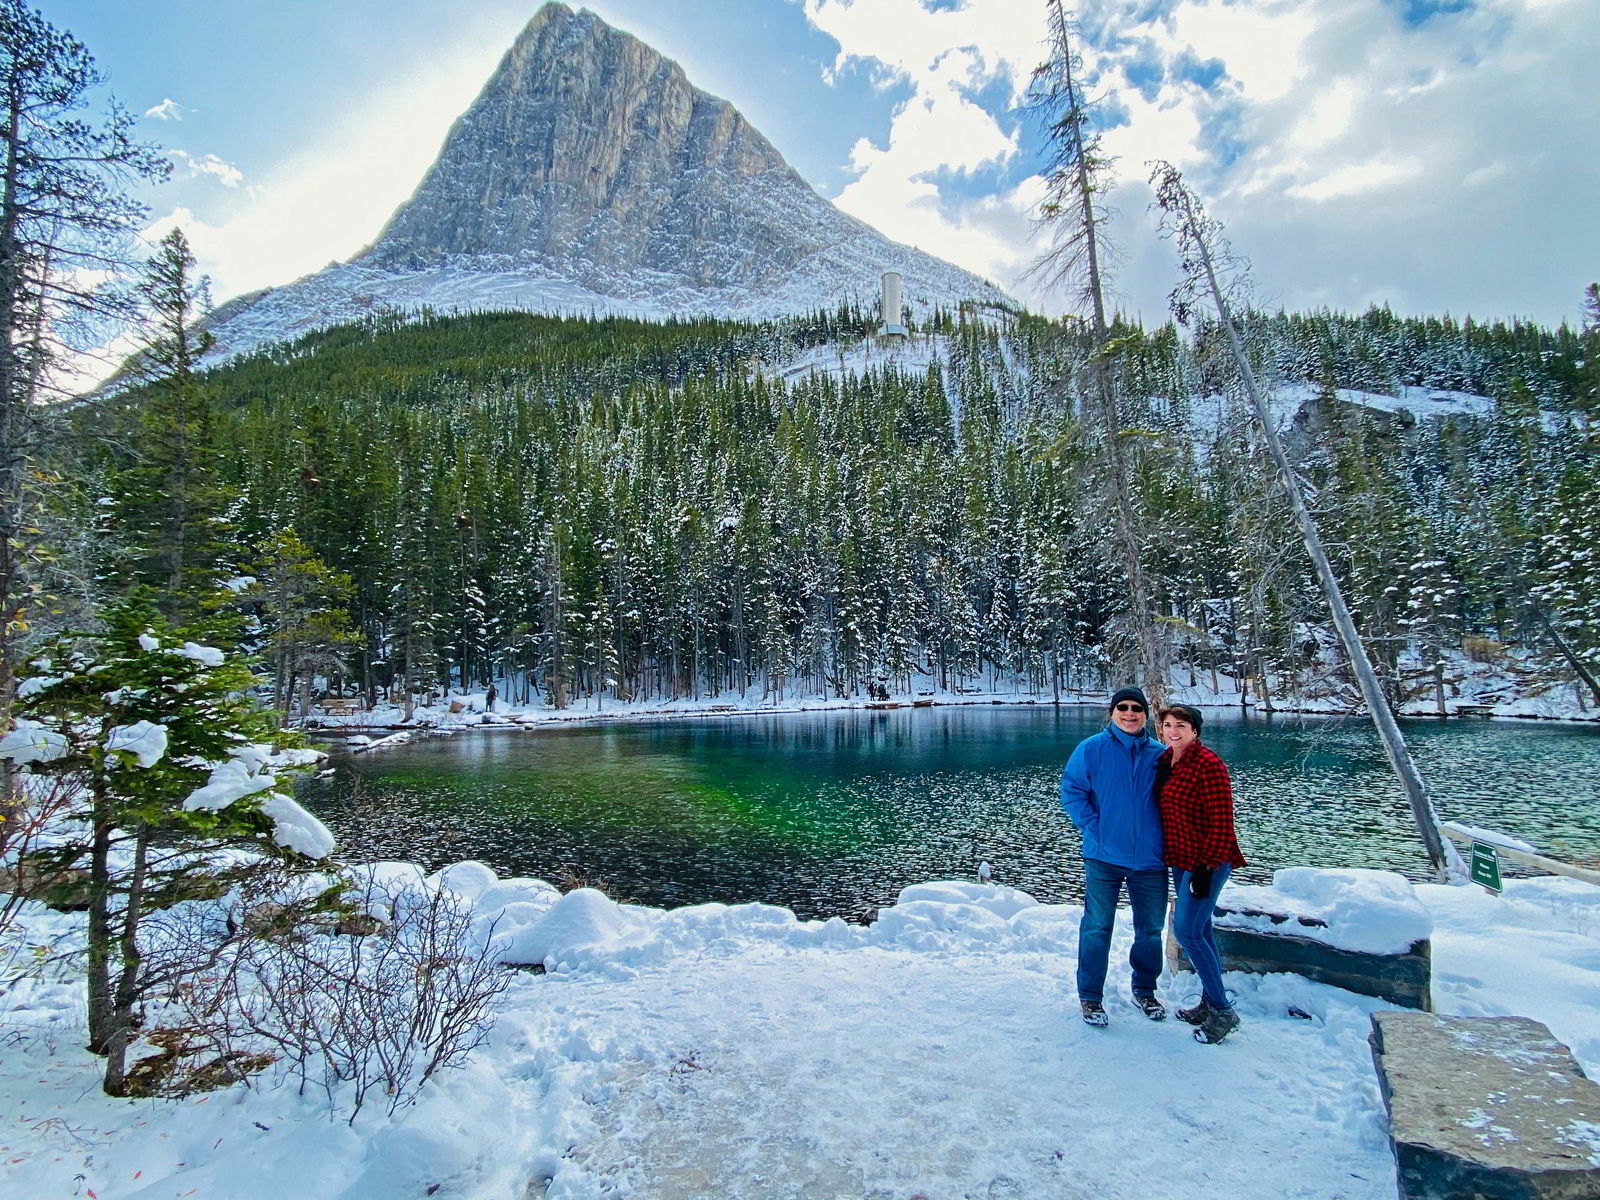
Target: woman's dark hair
[{"x": 1189, "y": 716}]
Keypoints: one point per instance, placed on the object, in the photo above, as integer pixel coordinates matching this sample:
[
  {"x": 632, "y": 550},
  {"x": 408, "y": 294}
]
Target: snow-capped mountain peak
[{"x": 590, "y": 174}]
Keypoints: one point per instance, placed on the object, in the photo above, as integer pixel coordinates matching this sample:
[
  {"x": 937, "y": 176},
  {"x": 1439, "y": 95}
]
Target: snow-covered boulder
[
  {"x": 513, "y": 916},
  {"x": 469, "y": 879},
  {"x": 931, "y": 924},
  {"x": 584, "y": 924},
  {"x": 516, "y": 890},
  {"x": 1361, "y": 930},
  {"x": 1352, "y": 908},
  {"x": 730, "y": 927},
  {"x": 1002, "y": 901}
]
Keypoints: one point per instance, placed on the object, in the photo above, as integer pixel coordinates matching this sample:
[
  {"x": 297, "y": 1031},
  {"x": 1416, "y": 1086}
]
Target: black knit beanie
[{"x": 1129, "y": 693}]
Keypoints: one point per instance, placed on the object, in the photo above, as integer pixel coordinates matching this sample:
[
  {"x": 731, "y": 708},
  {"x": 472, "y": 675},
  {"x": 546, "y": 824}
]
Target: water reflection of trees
[{"x": 833, "y": 812}]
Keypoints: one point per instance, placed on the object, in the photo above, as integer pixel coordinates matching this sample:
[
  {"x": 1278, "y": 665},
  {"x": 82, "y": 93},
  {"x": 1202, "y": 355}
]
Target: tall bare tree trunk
[
  {"x": 122, "y": 1015},
  {"x": 101, "y": 1003},
  {"x": 1195, "y": 233},
  {"x": 1072, "y": 204},
  {"x": 410, "y": 701},
  {"x": 13, "y": 405}
]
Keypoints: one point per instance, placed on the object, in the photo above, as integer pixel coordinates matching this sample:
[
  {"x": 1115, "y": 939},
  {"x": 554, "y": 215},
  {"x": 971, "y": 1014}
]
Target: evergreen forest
[{"x": 602, "y": 509}]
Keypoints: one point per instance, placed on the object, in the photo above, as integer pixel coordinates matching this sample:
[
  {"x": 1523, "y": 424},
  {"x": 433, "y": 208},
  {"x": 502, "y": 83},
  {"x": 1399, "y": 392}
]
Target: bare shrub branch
[{"x": 355, "y": 1016}]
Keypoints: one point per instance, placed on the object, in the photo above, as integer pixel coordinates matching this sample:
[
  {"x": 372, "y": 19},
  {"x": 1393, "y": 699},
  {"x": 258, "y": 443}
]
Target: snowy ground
[
  {"x": 908, "y": 355},
  {"x": 734, "y": 1052}
]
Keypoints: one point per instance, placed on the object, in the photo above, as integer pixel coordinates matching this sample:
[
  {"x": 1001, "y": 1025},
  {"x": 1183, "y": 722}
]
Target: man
[{"x": 1108, "y": 792}]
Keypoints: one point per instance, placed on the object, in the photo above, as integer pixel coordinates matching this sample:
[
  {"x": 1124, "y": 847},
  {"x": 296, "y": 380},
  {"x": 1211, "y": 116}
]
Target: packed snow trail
[
  {"x": 885, "y": 1073},
  {"x": 734, "y": 1053}
]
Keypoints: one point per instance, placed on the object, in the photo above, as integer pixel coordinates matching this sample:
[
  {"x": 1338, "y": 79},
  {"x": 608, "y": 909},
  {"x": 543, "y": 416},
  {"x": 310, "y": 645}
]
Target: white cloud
[
  {"x": 1488, "y": 173},
  {"x": 1448, "y": 166},
  {"x": 168, "y": 110},
  {"x": 937, "y": 129},
  {"x": 908, "y": 39},
  {"x": 201, "y": 236},
  {"x": 1353, "y": 180},
  {"x": 1262, "y": 41},
  {"x": 941, "y": 132},
  {"x": 225, "y": 173},
  {"x": 1327, "y": 114}
]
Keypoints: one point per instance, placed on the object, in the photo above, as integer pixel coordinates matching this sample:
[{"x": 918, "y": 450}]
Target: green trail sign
[{"x": 1485, "y": 866}]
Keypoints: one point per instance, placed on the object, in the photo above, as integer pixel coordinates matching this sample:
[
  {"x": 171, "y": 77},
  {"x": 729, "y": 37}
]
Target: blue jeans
[
  {"x": 1147, "y": 893},
  {"x": 1192, "y": 926}
]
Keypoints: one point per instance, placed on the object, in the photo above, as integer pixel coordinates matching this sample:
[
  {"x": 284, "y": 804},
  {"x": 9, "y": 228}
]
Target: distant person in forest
[
  {"x": 1195, "y": 798},
  {"x": 1108, "y": 792}
]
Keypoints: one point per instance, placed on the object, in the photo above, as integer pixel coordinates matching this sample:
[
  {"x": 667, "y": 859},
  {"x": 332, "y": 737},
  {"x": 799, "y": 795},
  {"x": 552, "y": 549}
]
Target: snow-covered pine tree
[
  {"x": 174, "y": 763},
  {"x": 1568, "y": 590}
]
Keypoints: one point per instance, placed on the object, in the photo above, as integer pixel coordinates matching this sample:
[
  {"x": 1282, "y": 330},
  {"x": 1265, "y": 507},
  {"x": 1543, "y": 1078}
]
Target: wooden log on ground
[{"x": 1554, "y": 866}]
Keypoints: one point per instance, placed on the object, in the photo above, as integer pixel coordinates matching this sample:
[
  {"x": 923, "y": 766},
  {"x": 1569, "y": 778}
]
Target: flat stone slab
[
  {"x": 1398, "y": 978},
  {"x": 1486, "y": 1108}
]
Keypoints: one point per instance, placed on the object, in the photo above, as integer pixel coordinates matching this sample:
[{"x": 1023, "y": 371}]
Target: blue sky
[{"x": 1438, "y": 155}]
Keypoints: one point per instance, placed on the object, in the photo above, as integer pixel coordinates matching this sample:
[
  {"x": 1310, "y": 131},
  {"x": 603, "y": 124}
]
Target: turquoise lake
[{"x": 831, "y": 813}]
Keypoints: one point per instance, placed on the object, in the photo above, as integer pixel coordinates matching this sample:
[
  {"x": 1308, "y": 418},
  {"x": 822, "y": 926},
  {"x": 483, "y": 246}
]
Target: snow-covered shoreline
[
  {"x": 734, "y": 1051},
  {"x": 471, "y": 710}
]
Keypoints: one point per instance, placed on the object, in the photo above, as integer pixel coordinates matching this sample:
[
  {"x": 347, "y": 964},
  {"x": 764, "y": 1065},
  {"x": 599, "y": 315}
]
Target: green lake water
[{"x": 831, "y": 813}]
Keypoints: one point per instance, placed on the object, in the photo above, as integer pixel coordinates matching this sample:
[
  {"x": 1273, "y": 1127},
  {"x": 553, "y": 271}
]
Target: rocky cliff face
[
  {"x": 591, "y": 153},
  {"x": 590, "y": 174}
]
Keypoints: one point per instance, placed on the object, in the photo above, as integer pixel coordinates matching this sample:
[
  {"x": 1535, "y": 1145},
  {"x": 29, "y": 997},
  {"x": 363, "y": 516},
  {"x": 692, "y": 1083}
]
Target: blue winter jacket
[{"x": 1108, "y": 792}]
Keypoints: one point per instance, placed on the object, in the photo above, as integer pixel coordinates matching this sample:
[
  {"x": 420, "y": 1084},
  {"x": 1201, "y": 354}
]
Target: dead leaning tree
[{"x": 1200, "y": 249}]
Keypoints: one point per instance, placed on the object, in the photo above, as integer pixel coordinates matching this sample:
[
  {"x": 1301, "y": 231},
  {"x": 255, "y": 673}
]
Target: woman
[{"x": 1196, "y": 803}]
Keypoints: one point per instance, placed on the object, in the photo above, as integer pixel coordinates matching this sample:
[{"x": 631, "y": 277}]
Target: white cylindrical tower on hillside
[{"x": 890, "y": 311}]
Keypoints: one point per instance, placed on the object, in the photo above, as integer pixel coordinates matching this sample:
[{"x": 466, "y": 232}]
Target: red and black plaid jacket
[{"x": 1196, "y": 802}]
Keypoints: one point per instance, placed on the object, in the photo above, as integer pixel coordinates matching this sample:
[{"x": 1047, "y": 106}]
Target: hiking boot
[
  {"x": 1219, "y": 1023},
  {"x": 1094, "y": 1013},
  {"x": 1194, "y": 1015},
  {"x": 1150, "y": 1006}
]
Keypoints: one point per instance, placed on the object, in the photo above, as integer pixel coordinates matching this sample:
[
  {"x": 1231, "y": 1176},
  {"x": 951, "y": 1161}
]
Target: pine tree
[
  {"x": 1569, "y": 578},
  {"x": 1432, "y": 610},
  {"x": 1588, "y": 382},
  {"x": 308, "y": 628},
  {"x": 171, "y": 500},
  {"x": 63, "y": 219},
  {"x": 174, "y": 764}
]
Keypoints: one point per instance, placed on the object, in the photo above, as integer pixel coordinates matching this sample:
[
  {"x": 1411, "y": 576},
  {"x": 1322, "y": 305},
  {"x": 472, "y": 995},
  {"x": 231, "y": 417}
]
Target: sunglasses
[{"x": 1130, "y": 708}]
